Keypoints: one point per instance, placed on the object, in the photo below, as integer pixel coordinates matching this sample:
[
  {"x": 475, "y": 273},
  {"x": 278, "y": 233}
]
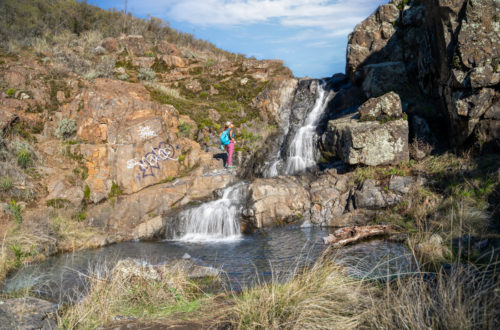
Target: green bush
[
  {"x": 66, "y": 128},
  {"x": 23, "y": 158},
  {"x": 184, "y": 128},
  {"x": 5, "y": 183},
  {"x": 146, "y": 74},
  {"x": 15, "y": 210},
  {"x": 10, "y": 92}
]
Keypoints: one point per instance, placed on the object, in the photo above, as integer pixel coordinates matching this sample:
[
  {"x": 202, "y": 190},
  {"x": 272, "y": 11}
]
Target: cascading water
[
  {"x": 301, "y": 150},
  {"x": 212, "y": 221}
]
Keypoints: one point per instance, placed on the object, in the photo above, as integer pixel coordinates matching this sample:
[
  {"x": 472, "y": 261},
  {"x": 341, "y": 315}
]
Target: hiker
[{"x": 227, "y": 141}]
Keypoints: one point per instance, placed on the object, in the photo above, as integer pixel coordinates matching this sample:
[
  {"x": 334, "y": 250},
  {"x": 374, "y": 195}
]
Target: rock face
[
  {"x": 369, "y": 142},
  {"x": 387, "y": 106},
  {"x": 28, "y": 313},
  {"x": 439, "y": 52},
  {"x": 125, "y": 136},
  {"x": 272, "y": 201}
]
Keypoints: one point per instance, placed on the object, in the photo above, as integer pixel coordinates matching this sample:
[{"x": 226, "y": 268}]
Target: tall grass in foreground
[
  {"x": 458, "y": 298},
  {"x": 114, "y": 294},
  {"x": 322, "y": 297}
]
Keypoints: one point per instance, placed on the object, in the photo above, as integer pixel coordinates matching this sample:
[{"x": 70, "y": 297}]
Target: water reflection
[{"x": 252, "y": 259}]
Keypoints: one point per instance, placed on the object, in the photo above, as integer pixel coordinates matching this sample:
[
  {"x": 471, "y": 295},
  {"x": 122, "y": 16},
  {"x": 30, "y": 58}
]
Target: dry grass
[
  {"x": 112, "y": 295},
  {"x": 163, "y": 89},
  {"x": 459, "y": 298},
  {"x": 319, "y": 298}
]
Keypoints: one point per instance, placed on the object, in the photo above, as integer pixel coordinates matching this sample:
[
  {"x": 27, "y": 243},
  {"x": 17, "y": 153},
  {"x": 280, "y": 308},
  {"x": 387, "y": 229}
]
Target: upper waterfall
[{"x": 299, "y": 148}]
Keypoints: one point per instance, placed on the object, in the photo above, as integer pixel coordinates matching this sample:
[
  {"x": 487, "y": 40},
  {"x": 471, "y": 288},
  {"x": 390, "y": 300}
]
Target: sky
[{"x": 310, "y": 36}]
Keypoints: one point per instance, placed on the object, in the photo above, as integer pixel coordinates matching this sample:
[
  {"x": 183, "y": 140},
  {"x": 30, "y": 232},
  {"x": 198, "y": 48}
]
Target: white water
[
  {"x": 214, "y": 221},
  {"x": 301, "y": 149}
]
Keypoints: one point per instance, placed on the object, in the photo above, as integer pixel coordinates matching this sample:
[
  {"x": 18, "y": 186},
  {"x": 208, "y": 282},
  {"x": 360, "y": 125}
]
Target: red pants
[{"x": 230, "y": 151}]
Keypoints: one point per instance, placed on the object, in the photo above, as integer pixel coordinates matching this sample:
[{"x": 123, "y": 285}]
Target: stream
[{"x": 245, "y": 261}]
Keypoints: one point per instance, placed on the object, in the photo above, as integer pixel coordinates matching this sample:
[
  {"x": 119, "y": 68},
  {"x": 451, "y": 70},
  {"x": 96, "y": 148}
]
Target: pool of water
[{"x": 245, "y": 261}]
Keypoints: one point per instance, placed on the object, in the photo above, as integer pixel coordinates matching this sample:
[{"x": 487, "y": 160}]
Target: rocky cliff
[{"x": 441, "y": 57}]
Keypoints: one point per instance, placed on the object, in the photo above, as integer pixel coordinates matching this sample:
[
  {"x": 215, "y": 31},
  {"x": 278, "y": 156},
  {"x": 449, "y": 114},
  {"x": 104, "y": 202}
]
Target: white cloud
[{"x": 328, "y": 15}]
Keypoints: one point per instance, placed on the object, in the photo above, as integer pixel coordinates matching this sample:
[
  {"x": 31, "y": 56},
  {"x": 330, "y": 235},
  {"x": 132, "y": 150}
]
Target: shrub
[
  {"x": 146, "y": 74},
  {"x": 15, "y": 210},
  {"x": 5, "y": 183},
  {"x": 66, "y": 128},
  {"x": 23, "y": 158},
  {"x": 184, "y": 128},
  {"x": 123, "y": 76}
]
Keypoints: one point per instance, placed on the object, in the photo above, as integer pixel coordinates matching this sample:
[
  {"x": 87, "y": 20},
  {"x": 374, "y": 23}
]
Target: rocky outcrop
[
  {"x": 130, "y": 269},
  {"x": 272, "y": 202},
  {"x": 367, "y": 142},
  {"x": 329, "y": 196},
  {"x": 435, "y": 53},
  {"x": 385, "y": 107},
  {"x": 125, "y": 138},
  {"x": 28, "y": 313}
]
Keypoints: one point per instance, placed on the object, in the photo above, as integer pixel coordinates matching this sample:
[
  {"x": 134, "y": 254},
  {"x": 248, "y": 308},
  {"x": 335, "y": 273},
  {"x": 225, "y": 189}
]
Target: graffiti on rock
[
  {"x": 146, "y": 132},
  {"x": 151, "y": 160}
]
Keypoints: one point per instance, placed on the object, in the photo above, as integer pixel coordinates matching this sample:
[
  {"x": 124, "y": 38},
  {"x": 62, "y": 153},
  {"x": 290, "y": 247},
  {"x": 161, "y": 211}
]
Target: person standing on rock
[{"x": 227, "y": 141}]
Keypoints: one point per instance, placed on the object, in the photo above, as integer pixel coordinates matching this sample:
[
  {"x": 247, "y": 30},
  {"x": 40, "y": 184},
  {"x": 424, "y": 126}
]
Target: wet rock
[
  {"x": 150, "y": 229},
  {"x": 130, "y": 269},
  {"x": 28, "y": 313},
  {"x": 352, "y": 218},
  {"x": 370, "y": 143},
  {"x": 270, "y": 198},
  {"x": 380, "y": 108}
]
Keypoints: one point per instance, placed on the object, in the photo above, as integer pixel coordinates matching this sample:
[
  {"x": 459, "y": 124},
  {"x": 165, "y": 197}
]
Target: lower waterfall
[{"x": 211, "y": 221}]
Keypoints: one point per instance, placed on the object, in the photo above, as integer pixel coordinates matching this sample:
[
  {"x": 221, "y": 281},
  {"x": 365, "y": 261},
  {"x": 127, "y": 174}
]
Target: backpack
[{"x": 224, "y": 138}]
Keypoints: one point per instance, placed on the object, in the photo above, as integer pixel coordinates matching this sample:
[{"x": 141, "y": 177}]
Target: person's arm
[{"x": 231, "y": 135}]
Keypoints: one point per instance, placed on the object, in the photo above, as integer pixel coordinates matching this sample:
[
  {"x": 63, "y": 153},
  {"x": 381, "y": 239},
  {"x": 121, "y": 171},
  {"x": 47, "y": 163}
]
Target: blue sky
[{"x": 309, "y": 35}]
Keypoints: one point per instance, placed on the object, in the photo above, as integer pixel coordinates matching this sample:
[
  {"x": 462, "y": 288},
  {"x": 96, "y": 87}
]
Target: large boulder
[
  {"x": 278, "y": 200},
  {"x": 28, "y": 313},
  {"x": 329, "y": 194},
  {"x": 387, "y": 106},
  {"x": 367, "y": 142}
]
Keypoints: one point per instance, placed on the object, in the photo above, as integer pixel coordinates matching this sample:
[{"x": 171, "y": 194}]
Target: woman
[{"x": 230, "y": 146}]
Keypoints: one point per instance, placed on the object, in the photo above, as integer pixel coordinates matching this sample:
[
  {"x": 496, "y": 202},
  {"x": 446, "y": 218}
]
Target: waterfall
[
  {"x": 300, "y": 152},
  {"x": 212, "y": 221}
]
